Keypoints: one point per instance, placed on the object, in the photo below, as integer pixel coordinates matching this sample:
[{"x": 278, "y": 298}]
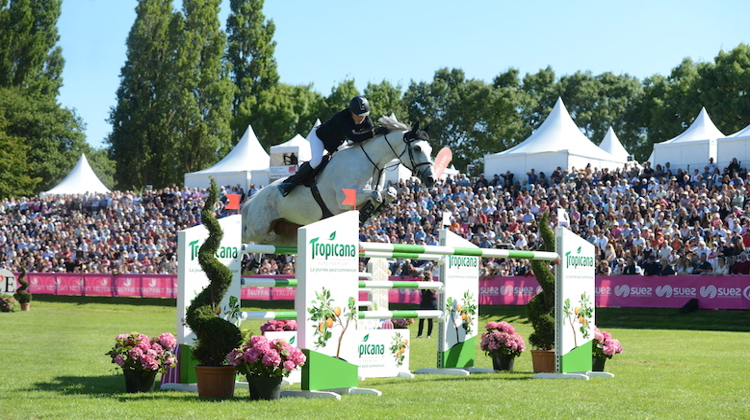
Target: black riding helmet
[{"x": 360, "y": 106}]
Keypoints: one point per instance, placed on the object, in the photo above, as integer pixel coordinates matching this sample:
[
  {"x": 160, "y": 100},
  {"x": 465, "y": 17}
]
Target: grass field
[{"x": 675, "y": 366}]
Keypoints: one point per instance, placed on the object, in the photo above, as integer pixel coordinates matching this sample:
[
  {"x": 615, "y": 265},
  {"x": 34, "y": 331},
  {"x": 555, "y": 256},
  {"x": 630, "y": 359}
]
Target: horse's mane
[{"x": 392, "y": 123}]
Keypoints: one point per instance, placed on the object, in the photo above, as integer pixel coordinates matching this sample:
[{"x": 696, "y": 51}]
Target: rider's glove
[{"x": 379, "y": 131}]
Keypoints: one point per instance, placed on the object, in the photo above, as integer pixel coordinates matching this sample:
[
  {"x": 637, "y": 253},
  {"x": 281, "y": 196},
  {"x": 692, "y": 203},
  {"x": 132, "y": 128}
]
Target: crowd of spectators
[{"x": 642, "y": 220}]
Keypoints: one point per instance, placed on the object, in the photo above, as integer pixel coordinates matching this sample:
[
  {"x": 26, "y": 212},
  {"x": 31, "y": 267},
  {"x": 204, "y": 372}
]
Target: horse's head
[{"x": 418, "y": 156}]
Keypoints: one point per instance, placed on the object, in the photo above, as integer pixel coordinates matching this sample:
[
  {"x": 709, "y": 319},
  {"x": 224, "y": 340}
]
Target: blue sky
[{"x": 326, "y": 42}]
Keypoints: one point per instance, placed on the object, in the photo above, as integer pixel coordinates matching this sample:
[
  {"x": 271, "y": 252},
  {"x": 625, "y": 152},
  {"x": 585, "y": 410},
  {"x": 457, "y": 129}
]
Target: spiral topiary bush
[
  {"x": 215, "y": 336},
  {"x": 21, "y": 295},
  {"x": 540, "y": 308}
]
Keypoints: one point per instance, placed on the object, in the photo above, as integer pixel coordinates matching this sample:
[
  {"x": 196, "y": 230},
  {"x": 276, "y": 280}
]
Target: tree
[
  {"x": 250, "y": 49},
  {"x": 14, "y": 178},
  {"x": 385, "y": 99},
  {"x": 29, "y": 55},
  {"x": 52, "y": 135},
  {"x": 141, "y": 139},
  {"x": 723, "y": 89},
  {"x": 468, "y": 116},
  {"x": 202, "y": 89}
]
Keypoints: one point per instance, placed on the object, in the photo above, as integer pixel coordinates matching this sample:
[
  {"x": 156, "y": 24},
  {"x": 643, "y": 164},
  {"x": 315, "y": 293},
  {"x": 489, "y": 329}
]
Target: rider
[{"x": 352, "y": 123}]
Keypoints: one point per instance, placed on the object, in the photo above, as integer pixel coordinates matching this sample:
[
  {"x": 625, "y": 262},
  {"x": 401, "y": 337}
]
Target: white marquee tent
[
  {"x": 557, "y": 142},
  {"x": 80, "y": 180},
  {"x": 735, "y": 145},
  {"x": 612, "y": 144},
  {"x": 236, "y": 167},
  {"x": 692, "y": 148}
]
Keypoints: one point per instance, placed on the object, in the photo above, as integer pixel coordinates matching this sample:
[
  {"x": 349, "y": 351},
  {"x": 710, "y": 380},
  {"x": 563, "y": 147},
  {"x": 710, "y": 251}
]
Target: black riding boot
[{"x": 302, "y": 173}]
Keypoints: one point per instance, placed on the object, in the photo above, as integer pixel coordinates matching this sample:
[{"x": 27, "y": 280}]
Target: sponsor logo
[
  {"x": 603, "y": 291},
  {"x": 222, "y": 252},
  {"x": 325, "y": 250},
  {"x": 460, "y": 262},
  {"x": 746, "y": 293},
  {"x": 625, "y": 291},
  {"x": 712, "y": 292},
  {"x": 506, "y": 290},
  {"x": 370, "y": 349},
  {"x": 576, "y": 261},
  {"x": 668, "y": 291}
]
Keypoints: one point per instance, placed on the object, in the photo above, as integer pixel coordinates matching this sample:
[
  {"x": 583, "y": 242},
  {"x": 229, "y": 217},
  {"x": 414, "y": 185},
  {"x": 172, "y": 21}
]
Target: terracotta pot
[
  {"x": 26, "y": 306},
  {"x": 215, "y": 381},
  {"x": 264, "y": 387},
  {"x": 543, "y": 360}
]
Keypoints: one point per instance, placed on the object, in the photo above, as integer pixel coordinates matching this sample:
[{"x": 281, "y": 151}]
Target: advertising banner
[
  {"x": 326, "y": 301},
  {"x": 383, "y": 353},
  {"x": 574, "y": 302},
  {"x": 460, "y": 302},
  {"x": 7, "y": 282}
]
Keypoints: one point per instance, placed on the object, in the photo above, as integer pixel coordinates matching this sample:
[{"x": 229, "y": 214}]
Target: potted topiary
[
  {"x": 22, "y": 296},
  {"x": 215, "y": 337},
  {"x": 540, "y": 309}
]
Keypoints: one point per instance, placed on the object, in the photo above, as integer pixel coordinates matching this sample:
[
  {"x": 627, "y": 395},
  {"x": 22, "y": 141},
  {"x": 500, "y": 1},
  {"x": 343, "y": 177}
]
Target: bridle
[{"x": 412, "y": 162}]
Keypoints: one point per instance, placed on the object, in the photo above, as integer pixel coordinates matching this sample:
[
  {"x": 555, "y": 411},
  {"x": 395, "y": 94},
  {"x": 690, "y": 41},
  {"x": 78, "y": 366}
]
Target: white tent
[
  {"x": 735, "y": 145},
  {"x": 692, "y": 148},
  {"x": 80, "y": 180},
  {"x": 612, "y": 145},
  {"x": 236, "y": 167},
  {"x": 557, "y": 142}
]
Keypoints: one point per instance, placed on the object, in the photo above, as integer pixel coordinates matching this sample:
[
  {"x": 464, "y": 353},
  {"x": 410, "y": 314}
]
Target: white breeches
[{"x": 317, "y": 148}]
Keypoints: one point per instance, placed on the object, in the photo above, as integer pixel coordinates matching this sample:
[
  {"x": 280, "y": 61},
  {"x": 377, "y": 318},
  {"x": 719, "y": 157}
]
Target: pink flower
[
  {"x": 289, "y": 366},
  {"x": 491, "y": 325},
  {"x": 272, "y": 358},
  {"x": 120, "y": 360},
  {"x": 167, "y": 340}
]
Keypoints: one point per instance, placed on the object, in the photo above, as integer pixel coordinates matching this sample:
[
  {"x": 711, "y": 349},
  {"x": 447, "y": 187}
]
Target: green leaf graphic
[
  {"x": 291, "y": 340},
  {"x": 333, "y": 236},
  {"x": 366, "y": 337},
  {"x": 579, "y": 250}
]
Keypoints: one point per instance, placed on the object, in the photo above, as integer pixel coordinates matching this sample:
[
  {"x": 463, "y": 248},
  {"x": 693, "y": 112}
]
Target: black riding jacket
[{"x": 341, "y": 127}]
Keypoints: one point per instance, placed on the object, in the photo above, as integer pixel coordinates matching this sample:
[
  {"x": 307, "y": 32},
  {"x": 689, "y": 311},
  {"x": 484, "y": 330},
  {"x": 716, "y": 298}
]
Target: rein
[{"x": 414, "y": 165}]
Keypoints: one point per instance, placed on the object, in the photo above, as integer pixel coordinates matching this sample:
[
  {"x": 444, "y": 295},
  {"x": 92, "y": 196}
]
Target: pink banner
[{"x": 714, "y": 292}]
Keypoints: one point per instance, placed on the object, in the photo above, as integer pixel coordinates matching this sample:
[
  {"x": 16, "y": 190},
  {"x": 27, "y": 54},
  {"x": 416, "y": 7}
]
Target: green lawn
[{"x": 675, "y": 366}]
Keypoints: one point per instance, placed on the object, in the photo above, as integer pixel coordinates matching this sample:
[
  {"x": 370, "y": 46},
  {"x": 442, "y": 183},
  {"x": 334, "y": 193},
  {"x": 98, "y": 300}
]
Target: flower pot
[
  {"x": 597, "y": 364},
  {"x": 26, "y": 306},
  {"x": 215, "y": 381},
  {"x": 543, "y": 360},
  {"x": 264, "y": 387},
  {"x": 139, "y": 380},
  {"x": 503, "y": 362}
]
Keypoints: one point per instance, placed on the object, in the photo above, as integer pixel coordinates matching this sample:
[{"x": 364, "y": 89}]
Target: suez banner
[
  {"x": 716, "y": 292},
  {"x": 574, "y": 302},
  {"x": 191, "y": 277}
]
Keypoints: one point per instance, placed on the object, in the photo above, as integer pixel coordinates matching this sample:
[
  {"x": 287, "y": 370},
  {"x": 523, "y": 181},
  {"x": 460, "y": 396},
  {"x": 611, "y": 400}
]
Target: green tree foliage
[
  {"x": 250, "y": 49},
  {"x": 724, "y": 89},
  {"x": 173, "y": 108},
  {"x": 469, "y": 116},
  {"x": 386, "y": 99},
  {"x": 29, "y": 55},
  {"x": 14, "y": 177},
  {"x": 202, "y": 90},
  {"x": 142, "y": 139},
  {"x": 284, "y": 111},
  {"x": 52, "y": 135}
]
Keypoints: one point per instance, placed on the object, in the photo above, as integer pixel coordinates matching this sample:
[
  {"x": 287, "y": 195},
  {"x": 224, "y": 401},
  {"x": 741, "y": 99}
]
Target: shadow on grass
[
  {"x": 88, "y": 300},
  {"x": 101, "y": 386}
]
